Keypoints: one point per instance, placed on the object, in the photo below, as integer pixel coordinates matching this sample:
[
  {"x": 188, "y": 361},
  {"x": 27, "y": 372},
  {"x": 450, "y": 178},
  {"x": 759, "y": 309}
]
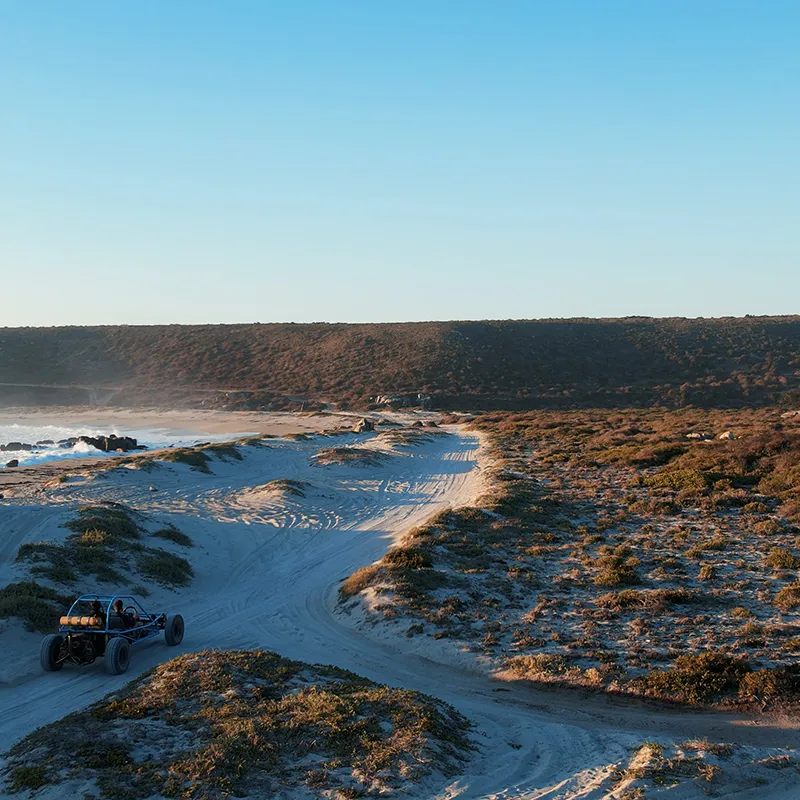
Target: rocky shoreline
[{"x": 105, "y": 444}]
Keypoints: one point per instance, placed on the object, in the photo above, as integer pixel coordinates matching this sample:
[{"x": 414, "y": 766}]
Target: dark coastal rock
[
  {"x": 13, "y": 463},
  {"x": 111, "y": 443},
  {"x": 45, "y": 442},
  {"x": 15, "y": 447},
  {"x": 363, "y": 426}
]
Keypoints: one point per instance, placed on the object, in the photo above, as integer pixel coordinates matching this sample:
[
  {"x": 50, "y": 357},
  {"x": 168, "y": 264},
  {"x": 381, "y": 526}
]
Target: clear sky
[{"x": 193, "y": 161}]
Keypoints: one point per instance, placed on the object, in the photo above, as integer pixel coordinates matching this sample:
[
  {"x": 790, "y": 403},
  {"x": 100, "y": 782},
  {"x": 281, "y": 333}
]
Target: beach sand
[{"x": 267, "y": 569}]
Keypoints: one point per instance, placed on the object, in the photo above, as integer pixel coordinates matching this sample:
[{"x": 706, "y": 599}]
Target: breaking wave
[{"x": 152, "y": 438}]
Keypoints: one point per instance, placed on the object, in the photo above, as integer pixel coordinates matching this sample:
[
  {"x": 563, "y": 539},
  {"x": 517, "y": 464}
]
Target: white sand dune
[{"x": 268, "y": 566}]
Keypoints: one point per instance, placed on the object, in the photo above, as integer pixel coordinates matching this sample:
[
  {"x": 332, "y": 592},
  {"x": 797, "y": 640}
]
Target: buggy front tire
[
  {"x": 118, "y": 656},
  {"x": 50, "y": 651},
  {"x": 173, "y": 629}
]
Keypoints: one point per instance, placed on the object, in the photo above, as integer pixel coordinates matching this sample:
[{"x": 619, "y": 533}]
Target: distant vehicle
[{"x": 93, "y": 629}]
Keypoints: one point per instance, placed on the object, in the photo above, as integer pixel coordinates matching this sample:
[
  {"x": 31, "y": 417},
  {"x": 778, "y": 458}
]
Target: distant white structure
[{"x": 399, "y": 400}]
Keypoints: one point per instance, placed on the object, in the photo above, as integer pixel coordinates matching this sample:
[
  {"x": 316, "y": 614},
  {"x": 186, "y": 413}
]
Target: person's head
[
  {"x": 118, "y": 605},
  {"x": 94, "y": 607}
]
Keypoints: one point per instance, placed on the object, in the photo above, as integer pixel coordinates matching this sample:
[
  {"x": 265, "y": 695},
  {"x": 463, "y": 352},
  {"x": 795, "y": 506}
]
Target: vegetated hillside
[{"x": 511, "y": 364}]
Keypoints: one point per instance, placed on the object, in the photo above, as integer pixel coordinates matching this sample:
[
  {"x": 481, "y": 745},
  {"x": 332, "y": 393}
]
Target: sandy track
[{"x": 267, "y": 576}]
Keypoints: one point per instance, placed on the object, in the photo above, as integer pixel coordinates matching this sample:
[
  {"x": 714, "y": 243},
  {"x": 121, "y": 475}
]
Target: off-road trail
[{"x": 267, "y": 570}]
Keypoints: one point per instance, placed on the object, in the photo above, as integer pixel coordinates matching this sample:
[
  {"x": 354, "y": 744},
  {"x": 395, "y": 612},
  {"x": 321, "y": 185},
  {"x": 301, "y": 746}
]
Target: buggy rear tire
[
  {"x": 50, "y": 651},
  {"x": 118, "y": 656},
  {"x": 173, "y": 629}
]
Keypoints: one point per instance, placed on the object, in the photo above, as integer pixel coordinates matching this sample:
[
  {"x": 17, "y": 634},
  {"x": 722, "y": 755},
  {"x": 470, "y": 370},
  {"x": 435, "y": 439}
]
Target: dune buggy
[{"x": 106, "y": 626}]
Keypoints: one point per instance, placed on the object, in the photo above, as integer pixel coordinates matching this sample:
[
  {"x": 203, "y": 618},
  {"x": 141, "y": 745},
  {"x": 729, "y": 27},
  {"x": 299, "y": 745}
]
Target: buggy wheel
[
  {"x": 50, "y": 651},
  {"x": 118, "y": 656},
  {"x": 173, "y": 629}
]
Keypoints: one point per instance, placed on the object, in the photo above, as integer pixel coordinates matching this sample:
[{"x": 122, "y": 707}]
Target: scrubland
[
  {"x": 615, "y": 552},
  {"x": 511, "y": 364}
]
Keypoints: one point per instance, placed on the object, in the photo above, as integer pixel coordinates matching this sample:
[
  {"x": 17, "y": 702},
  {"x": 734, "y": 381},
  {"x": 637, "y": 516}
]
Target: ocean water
[{"x": 151, "y": 437}]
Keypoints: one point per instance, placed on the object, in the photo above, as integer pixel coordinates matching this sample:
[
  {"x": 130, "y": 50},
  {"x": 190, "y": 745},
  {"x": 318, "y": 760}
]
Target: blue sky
[{"x": 405, "y": 160}]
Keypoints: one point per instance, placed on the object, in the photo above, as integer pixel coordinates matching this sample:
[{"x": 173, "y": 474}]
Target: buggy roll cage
[{"x": 147, "y": 624}]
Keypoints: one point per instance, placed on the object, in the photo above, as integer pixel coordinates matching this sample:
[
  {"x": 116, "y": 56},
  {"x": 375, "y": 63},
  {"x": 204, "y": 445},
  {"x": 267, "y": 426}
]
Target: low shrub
[
  {"x": 105, "y": 553},
  {"x": 111, "y": 519},
  {"x": 166, "y": 568},
  {"x": 781, "y": 558},
  {"x": 223, "y": 450},
  {"x": 540, "y": 664},
  {"x": 357, "y": 456},
  {"x": 694, "y": 480},
  {"x": 359, "y": 580},
  {"x": 288, "y": 486},
  {"x": 694, "y": 678},
  {"x": 414, "y": 583},
  {"x": 193, "y": 457},
  {"x": 174, "y": 535},
  {"x": 770, "y": 686},
  {"x": 707, "y": 573},
  {"x": 655, "y": 600},
  {"x": 28, "y": 778},
  {"x": 616, "y": 570},
  {"x": 39, "y": 607},
  {"x": 411, "y": 557},
  {"x": 788, "y": 598}
]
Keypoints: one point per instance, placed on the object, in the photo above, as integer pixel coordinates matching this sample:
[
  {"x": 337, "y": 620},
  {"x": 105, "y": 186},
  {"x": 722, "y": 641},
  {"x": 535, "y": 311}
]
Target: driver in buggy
[{"x": 119, "y": 612}]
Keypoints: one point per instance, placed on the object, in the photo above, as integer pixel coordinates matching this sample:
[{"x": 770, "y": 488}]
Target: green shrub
[
  {"x": 781, "y": 558},
  {"x": 616, "y": 570},
  {"x": 694, "y": 678},
  {"x": 707, "y": 573},
  {"x": 28, "y": 778},
  {"x": 111, "y": 519},
  {"x": 411, "y": 557},
  {"x": 166, "y": 568},
  {"x": 415, "y": 583},
  {"x": 694, "y": 480},
  {"x": 294, "y": 488},
  {"x": 174, "y": 535},
  {"x": 192, "y": 457},
  {"x": 788, "y": 598},
  {"x": 223, "y": 450},
  {"x": 540, "y": 664},
  {"x": 767, "y": 686},
  {"x": 39, "y": 607}
]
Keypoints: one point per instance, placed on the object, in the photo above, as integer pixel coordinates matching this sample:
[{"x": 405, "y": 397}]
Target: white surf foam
[{"x": 150, "y": 437}]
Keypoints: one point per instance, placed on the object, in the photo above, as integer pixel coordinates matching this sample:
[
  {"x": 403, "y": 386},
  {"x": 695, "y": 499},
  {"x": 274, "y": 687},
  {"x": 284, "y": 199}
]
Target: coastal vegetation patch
[
  {"x": 347, "y": 456},
  {"x": 217, "y": 724},
  {"x": 650, "y": 552},
  {"x": 106, "y": 544}
]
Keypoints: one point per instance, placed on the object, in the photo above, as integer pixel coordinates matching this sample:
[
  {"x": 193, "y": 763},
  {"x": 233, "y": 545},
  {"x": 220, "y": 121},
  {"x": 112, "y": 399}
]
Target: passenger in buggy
[{"x": 96, "y": 610}]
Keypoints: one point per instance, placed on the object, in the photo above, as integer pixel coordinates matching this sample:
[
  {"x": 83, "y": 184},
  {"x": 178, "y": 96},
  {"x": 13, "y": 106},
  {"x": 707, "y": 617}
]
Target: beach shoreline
[{"x": 189, "y": 421}]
